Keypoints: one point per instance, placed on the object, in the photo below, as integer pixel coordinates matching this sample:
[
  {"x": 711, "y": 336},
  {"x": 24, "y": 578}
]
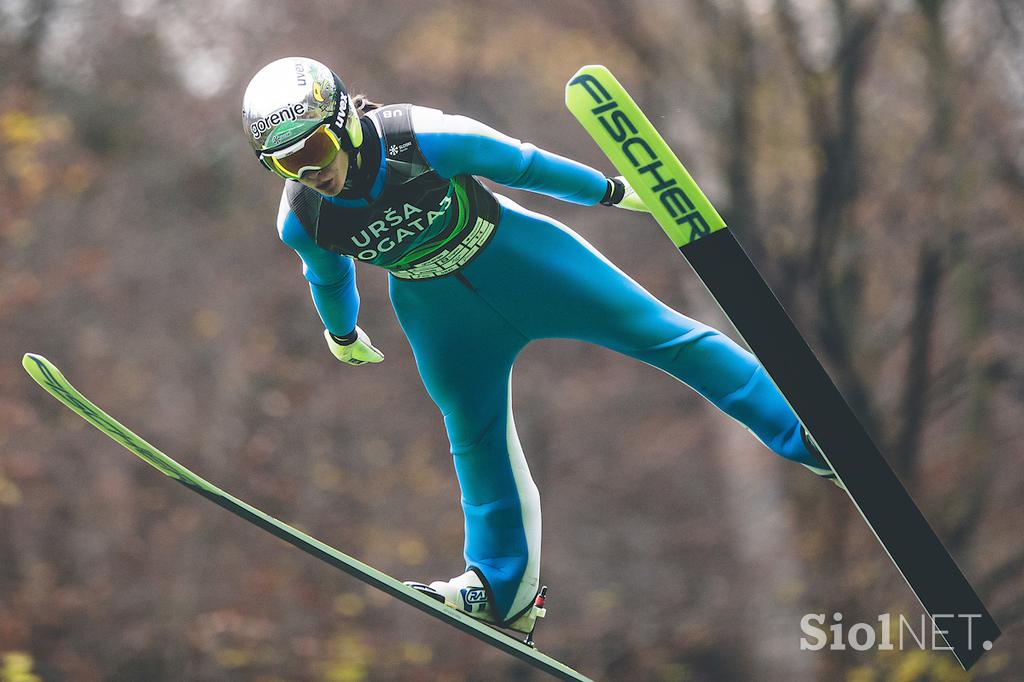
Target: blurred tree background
[{"x": 866, "y": 151}]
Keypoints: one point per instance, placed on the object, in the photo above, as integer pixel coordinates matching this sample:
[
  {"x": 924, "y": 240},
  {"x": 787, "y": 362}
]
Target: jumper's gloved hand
[
  {"x": 619, "y": 193},
  {"x": 354, "y": 348}
]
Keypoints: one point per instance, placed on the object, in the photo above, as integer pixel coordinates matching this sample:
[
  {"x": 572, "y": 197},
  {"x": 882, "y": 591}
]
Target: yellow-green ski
[
  {"x": 50, "y": 378},
  {"x": 626, "y": 136},
  {"x": 634, "y": 146}
]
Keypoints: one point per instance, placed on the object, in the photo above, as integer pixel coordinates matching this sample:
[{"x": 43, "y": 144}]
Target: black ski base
[{"x": 931, "y": 572}]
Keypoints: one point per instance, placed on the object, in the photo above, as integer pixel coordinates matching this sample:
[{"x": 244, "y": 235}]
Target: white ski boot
[{"x": 466, "y": 593}]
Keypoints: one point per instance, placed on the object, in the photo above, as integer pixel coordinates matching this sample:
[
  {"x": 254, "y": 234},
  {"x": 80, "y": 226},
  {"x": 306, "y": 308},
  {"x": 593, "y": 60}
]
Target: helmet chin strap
[{"x": 355, "y": 164}]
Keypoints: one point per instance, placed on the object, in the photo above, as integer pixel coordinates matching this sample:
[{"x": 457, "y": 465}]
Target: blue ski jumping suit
[{"x": 474, "y": 278}]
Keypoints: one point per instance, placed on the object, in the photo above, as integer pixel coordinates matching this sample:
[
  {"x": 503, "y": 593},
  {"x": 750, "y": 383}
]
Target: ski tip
[
  {"x": 30, "y": 360},
  {"x": 38, "y": 367},
  {"x": 592, "y": 70}
]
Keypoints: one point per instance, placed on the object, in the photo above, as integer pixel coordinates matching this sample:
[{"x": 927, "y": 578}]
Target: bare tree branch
[
  {"x": 1009, "y": 569},
  {"x": 930, "y": 262}
]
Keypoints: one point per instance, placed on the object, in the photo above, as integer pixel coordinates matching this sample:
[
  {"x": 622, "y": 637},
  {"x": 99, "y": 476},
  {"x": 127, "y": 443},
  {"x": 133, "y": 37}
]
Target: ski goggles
[{"x": 314, "y": 152}]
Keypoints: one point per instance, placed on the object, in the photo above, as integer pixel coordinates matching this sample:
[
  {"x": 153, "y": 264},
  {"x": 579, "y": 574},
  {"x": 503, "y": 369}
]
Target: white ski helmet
[{"x": 289, "y": 99}]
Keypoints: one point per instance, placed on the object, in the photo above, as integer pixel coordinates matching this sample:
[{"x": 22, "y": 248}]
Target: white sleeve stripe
[{"x": 282, "y": 212}]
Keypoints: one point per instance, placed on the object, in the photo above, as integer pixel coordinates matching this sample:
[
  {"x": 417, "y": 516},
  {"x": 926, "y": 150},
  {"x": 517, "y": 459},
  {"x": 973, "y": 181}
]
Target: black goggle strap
[{"x": 346, "y": 124}]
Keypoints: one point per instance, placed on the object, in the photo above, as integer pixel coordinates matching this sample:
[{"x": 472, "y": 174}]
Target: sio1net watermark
[{"x": 887, "y": 634}]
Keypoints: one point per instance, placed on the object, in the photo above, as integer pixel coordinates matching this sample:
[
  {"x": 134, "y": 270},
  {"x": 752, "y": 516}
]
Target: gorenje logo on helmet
[{"x": 286, "y": 113}]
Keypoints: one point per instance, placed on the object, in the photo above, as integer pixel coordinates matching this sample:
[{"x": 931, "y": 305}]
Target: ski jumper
[{"x": 474, "y": 278}]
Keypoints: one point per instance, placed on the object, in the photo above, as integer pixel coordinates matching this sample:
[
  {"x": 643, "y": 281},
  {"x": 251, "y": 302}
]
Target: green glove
[{"x": 354, "y": 349}]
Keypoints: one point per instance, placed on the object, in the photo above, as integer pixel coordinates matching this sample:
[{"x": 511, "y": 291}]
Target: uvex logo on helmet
[
  {"x": 342, "y": 113},
  {"x": 287, "y": 113}
]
